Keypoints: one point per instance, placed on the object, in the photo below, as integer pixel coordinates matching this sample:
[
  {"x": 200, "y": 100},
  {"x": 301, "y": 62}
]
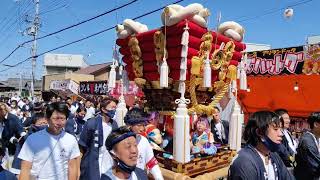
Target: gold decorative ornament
[
  {"x": 220, "y": 60},
  {"x": 135, "y": 51},
  {"x": 158, "y": 41}
]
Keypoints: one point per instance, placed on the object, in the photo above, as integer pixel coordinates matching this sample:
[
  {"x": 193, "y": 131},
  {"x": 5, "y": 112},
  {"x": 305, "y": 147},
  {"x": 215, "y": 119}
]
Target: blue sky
[{"x": 271, "y": 29}]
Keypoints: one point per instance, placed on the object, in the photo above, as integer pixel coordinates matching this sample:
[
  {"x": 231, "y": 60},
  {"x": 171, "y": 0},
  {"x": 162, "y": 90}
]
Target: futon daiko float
[{"x": 184, "y": 68}]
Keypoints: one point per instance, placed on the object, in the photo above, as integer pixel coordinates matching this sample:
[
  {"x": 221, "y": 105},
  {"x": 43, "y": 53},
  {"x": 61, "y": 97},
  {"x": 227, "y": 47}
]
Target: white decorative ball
[{"x": 288, "y": 13}]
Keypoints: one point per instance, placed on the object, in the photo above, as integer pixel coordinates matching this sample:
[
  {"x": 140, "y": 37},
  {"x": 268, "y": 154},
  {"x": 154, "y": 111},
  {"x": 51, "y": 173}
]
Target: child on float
[
  {"x": 153, "y": 132},
  {"x": 202, "y": 141}
]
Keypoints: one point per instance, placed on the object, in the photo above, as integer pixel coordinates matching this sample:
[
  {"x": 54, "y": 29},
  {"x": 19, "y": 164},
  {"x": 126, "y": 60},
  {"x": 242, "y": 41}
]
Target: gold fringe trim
[{"x": 135, "y": 51}]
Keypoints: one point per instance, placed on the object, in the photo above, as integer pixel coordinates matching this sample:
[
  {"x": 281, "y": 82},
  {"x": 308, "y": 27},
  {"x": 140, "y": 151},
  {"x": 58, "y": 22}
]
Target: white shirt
[
  {"x": 21, "y": 104},
  {"x": 291, "y": 141},
  {"x": 145, "y": 152},
  {"x": 74, "y": 109},
  {"x": 90, "y": 113},
  {"x": 15, "y": 98},
  {"x": 49, "y": 154},
  {"x": 220, "y": 129},
  {"x": 110, "y": 174},
  {"x": 269, "y": 168},
  {"x": 105, "y": 159},
  {"x": 15, "y": 112},
  {"x": 145, "y": 155}
]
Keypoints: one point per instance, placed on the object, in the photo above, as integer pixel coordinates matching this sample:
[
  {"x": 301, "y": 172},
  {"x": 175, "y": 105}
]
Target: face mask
[
  {"x": 39, "y": 128},
  {"x": 80, "y": 118},
  {"x": 272, "y": 146},
  {"x": 124, "y": 167},
  {"x": 13, "y": 106},
  {"x": 110, "y": 113}
]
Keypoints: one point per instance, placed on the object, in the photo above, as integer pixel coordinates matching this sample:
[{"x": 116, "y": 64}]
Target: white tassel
[
  {"x": 183, "y": 74},
  {"x": 185, "y": 36},
  {"x": 234, "y": 86},
  {"x": 230, "y": 90},
  {"x": 243, "y": 74},
  {"x": 184, "y": 51},
  {"x": 184, "y": 54},
  {"x": 164, "y": 74},
  {"x": 207, "y": 73},
  {"x": 182, "y": 88},
  {"x": 120, "y": 70},
  {"x": 181, "y": 137},
  {"x": 112, "y": 77},
  {"x": 121, "y": 111},
  {"x": 183, "y": 64},
  {"x": 235, "y": 125},
  {"x": 238, "y": 71},
  {"x": 243, "y": 80}
]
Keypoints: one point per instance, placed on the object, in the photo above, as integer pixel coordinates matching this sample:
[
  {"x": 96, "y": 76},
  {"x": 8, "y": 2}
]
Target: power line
[
  {"x": 87, "y": 37},
  {"x": 15, "y": 19},
  {"x": 55, "y": 7},
  {"x": 7, "y": 30},
  {"x": 69, "y": 27},
  {"x": 271, "y": 11},
  {"x": 6, "y": 17}
]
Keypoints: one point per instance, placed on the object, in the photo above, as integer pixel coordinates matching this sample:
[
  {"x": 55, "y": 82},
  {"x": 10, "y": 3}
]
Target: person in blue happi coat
[
  {"x": 11, "y": 129},
  {"x": 75, "y": 123},
  {"x": 258, "y": 160},
  {"x": 96, "y": 159}
]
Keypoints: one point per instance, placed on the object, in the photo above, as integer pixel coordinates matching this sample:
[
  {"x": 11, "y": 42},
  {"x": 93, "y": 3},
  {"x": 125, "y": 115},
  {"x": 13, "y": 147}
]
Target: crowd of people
[{"x": 64, "y": 139}]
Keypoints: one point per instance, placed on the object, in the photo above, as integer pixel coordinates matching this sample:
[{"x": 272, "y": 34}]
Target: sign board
[
  {"x": 94, "y": 87},
  {"x": 275, "y": 61},
  {"x": 293, "y": 60},
  {"x": 64, "y": 85}
]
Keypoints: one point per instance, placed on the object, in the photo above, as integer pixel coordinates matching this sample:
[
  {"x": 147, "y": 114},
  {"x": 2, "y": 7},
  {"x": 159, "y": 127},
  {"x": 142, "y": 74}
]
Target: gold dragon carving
[{"x": 219, "y": 61}]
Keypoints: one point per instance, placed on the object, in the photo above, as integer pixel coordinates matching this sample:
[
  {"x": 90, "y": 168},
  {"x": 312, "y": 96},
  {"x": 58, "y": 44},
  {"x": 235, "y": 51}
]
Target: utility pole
[
  {"x": 20, "y": 84},
  {"x": 33, "y": 31}
]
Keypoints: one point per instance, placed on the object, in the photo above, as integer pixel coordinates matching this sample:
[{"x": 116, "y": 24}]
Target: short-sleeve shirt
[
  {"x": 49, "y": 154},
  {"x": 145, "y": 152}
]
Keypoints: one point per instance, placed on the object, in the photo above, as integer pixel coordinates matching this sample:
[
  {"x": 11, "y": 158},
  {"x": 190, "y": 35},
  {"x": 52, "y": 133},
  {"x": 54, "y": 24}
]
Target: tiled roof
[{"x": 92, "y": 69}]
